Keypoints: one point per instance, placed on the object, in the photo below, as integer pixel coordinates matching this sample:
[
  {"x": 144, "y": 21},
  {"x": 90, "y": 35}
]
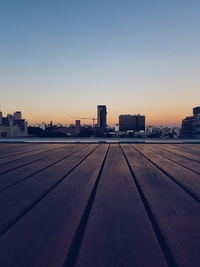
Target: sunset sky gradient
[{"x": 60, "y": 59}]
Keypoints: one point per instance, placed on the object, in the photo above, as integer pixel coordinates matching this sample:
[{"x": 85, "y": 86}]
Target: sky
[{"x": 60, "y": 59}]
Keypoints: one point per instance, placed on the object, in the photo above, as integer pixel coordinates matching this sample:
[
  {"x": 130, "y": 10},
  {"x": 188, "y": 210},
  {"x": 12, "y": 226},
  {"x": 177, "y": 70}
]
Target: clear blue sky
[{"x": 59, "y": 59}]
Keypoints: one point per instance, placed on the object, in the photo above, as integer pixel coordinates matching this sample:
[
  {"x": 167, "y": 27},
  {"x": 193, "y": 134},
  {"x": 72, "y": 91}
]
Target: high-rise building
[
  {"x": 78, "y": 127},
  {"x": 101, "y": 116},
  {"x": 131, "y": 122},
  {"x": 1, "y": 118},
  {"x": 191, "y": 125}
]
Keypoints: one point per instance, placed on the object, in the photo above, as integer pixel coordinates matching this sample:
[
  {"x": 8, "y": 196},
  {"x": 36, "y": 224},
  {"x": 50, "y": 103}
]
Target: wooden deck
[{"x": 99, "y": 205}]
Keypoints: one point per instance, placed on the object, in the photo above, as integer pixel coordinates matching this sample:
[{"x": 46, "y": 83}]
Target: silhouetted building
[
  {"x": 72, "y": 130},
  {"x": 126, "y": 122},
  {"x": 78, "y": 127},
  {"x": 1, "y": 118},
  {"x": 101, "y": 117},
  {"x": 129, "y": 122},
  {"x": 191, "y": 125},
  {"x": 17, "y": 115},
  {"x": 65, "y": 131},
  {"x": 196, "y": 111},
  {"x": 13, "y": 125}
]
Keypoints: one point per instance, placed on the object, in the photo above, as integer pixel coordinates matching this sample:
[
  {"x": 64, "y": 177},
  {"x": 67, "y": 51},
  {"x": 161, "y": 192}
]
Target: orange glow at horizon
[
  {"x": 139, "y": 59},
  {"x": 151, "y": 119}
]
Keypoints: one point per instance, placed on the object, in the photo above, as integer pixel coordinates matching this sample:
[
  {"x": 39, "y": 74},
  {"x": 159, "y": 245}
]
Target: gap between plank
[
  {"x": 45, "y": 194},
  {"x": 161, "y": 240},
  {"x": 21, "y": 180},
  {"x": 39, "y": 152},
  {"x": 18, "y": 153},
  {"x": 170, "y": 176},
  {"x": 169, "y": 151},
  {"x": 174, "y": 160},
  {"x": 71, "y": 256}
]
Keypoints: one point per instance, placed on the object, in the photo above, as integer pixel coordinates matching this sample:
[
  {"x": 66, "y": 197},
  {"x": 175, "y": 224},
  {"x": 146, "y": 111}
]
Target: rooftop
[{"x": 99, "y": 205}]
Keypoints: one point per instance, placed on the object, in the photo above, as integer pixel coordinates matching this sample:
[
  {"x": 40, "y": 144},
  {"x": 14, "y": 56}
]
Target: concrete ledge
[{"x": 100, "y": 142}]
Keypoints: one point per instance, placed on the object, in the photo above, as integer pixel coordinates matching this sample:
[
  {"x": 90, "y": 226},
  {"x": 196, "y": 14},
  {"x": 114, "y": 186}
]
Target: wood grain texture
[
  {"x": 176, "y": 213},
  {"x": 44, "y": 235},
  {"x": 14, "y": 149},
  {"x": 18, "y": 199},
  {"x": 119, "y": 230},
  {"x": 98, "y": 205},
  {"x": 183, "y": 161},
  {"x": 189, "y": 180},
  {"x": 22, "y": 153},
  {"x": 184, "y": 151},
  {"x": 41, "y": 163}
]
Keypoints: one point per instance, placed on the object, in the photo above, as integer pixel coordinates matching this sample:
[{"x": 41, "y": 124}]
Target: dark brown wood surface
[
  {"x": 193, "y": 165},
  {"x": 187, "y": 179},
  {"x": 184, "y": 151},
  {"x": 174, "y": 211},
  {"x": 12, "y": 176},
  {"x": 119, "y": 230},
  {"x": 99, "y": 205}
]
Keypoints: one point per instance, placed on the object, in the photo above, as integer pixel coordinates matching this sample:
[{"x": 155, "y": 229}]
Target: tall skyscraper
[
  {"x": 131, "y": 122},
  {"x": 101, "y": 116},
  {"x": 78, "y": 127}
]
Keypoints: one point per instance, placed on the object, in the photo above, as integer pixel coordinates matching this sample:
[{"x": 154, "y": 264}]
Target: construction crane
[{"x": 93, "y": 119}]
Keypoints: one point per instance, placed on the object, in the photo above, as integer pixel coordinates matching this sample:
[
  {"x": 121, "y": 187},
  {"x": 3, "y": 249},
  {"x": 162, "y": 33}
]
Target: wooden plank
[
  {"x": 177, "y": 150},
  {"x": 52, "y": 157},
  {"x": 13, "y": 205},
  {"x": 25, "y": 154},
  {"x": 176, "y": 213},
  {"x": 185, "y": 162},
  {"x": 44, "y": 235},
  {"x": 13, "y": 155},
  {"x": 22, "y": 153},
  {"x": 195, "y": 147},
  {"x": 34, "y": 156},
  {"x": 13, "y": 147},
  {"x": 187, "y": 179},
  {"x": 118, "y": 230},
  {"x": 184, "y": 148},
  {"x": 11, "y": 150}
]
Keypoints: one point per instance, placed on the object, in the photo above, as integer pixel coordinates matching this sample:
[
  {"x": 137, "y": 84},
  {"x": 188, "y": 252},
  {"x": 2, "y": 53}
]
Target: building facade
[
  {"x": 191, "y": 125},
  {"x": 102, "y": 117},
  {"x": 13, "y": 125},
  {"x": 129, "y": 122},
  {"x": 78, "y": 127}
]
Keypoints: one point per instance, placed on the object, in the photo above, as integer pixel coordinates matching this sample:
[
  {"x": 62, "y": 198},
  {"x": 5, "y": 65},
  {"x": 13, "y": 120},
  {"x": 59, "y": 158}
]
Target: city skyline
[
  {"x": 13, "y": 125},
  {"x": 61, "y": 59},
  {"x": 89, "y": 118}
]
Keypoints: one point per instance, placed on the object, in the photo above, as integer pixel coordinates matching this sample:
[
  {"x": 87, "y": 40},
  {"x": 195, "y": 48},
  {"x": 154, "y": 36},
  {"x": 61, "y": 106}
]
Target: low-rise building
[
  {"x": 71, "y": 130},
  {"x": 13, "y": 125}
]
